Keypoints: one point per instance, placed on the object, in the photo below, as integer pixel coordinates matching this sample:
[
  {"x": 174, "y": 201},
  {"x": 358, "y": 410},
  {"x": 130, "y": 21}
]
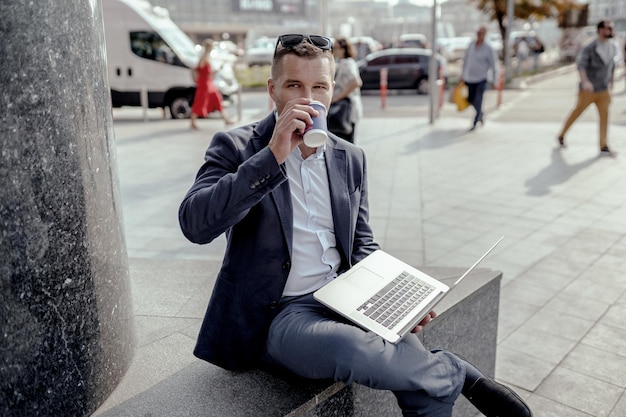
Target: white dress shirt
[{"x": 314, "y": 259}]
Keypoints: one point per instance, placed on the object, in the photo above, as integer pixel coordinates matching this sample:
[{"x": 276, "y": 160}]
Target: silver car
[{"x": 260, "y": 52}]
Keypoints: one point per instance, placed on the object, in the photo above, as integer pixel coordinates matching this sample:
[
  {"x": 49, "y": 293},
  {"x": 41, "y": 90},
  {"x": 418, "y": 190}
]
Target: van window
[{"x": 150, "y": 45}]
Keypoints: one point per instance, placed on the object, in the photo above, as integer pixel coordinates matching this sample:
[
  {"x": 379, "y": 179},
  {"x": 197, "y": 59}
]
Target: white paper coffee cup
[{"x": 317, "y": 134}]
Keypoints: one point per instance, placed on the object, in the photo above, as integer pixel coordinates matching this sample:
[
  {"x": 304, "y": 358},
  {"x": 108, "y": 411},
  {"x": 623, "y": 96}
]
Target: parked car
[
  {"x": 494, "y": 39},
  {"x": 453, "y": 49},
  {"x": 365, "y": 45},
  {"x": 407, "y": 68},
  {"x": 412, "y": 40},
  {"x": 260, "y": 51}
]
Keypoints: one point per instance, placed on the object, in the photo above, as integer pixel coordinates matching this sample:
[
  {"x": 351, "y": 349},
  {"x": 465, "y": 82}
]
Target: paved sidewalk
[{"x": 439, "y": 196}]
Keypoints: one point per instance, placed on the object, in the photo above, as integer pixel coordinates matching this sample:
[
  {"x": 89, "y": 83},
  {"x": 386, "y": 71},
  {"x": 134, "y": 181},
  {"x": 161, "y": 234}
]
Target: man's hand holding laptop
[{"x": 424, "y": 322}]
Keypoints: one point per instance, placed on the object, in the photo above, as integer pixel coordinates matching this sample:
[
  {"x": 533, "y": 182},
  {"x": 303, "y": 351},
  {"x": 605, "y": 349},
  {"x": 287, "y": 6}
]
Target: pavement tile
[
  {"x": 603, "y": 287},
  {"x": 559, "y": 324},
  {"x": 538, "y": 344},
  {"x": 544, "y": 407},
  {"x": 505, "y": 328},
  {"x": 149, "y": 329},
  {"x": 582, "y": 307},
  {"x": 609, "y": 338},
  {"x": 543, "y": 278},
  {"x": 592, "y": 240},
  {"x": 170, "y": 354},
  {"x": 620, "y": 408},
  {"x": 597, "y": 363},
  {"x": 524, "y": 252},
  {"x": 580, "y": 392},
  {"x": 559, "y": 266},
  {"x": 612, "y": 262},
  {"x": 521, "y": 370},
  {"x": 163, "y": 292},
  {"x": 516, "y": 312},
  {"x": 512, "y": 270},
  {"x": 614, "y": 317},
  {"x": 605, "y": 272},
  {"x": 536, "y": 295}
]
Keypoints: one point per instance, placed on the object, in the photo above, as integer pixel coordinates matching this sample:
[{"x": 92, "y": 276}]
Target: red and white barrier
[{"x": 383, "y": 87}]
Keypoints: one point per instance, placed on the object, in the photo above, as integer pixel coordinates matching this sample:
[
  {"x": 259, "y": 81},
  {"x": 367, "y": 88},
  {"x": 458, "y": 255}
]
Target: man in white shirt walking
[{"x": 479, "y": 60}]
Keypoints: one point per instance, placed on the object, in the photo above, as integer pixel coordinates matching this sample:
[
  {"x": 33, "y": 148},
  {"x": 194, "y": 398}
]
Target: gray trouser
[{"x": 313, "y": 342}]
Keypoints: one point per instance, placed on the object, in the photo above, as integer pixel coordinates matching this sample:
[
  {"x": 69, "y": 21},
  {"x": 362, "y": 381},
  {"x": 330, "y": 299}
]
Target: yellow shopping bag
[{"x": 458, "y": 96}]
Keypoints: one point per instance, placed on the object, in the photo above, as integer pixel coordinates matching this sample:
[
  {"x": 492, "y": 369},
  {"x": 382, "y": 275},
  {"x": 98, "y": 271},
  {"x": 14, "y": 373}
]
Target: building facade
[{"x": 245, "y": 20}]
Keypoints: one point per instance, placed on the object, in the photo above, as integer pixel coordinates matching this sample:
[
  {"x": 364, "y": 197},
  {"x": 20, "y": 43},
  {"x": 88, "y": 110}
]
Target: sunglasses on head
[{"x": 292, "y": 40}]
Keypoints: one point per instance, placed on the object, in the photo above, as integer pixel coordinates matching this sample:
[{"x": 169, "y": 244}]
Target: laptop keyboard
[{"x": 394, "y": 302}]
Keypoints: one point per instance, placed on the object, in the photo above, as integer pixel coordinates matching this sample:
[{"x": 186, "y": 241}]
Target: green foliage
[{"x": 525, "y": 9}]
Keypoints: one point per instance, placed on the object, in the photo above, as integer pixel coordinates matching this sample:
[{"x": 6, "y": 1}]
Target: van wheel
[
  {"x": 422, "y": 86},
  {"x": 180, "y": 108}
]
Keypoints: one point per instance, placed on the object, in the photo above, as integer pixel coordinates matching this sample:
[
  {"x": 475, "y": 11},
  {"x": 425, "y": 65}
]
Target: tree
[{"x": 525, "y": 9}]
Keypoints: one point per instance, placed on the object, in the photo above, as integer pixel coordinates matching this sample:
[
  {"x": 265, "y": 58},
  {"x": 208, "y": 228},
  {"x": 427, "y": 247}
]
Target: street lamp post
[
  {"x": 323, "y": 30},
  {"x": 507, "y": 35},
  {"x": 433, "y": 89}
]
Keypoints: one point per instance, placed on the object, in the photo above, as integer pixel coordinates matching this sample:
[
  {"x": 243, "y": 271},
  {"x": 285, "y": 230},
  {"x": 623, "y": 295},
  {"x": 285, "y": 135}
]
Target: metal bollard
[
  {"x": 144, "y": 102},
  {"x": 383, "y": 87},
  {"x": 500, "y": 87},
  {"x": 441, "y": 82}
]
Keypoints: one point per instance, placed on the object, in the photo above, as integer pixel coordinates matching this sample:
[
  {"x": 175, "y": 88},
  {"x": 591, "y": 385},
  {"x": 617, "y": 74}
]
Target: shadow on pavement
[
  {"x": 558, "y": 172},
  {"x": 435, "y": 140}
]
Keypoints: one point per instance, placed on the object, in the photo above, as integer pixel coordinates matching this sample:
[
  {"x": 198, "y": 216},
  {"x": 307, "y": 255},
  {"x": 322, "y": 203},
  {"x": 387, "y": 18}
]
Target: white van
[{"x": 147, "y": 51}]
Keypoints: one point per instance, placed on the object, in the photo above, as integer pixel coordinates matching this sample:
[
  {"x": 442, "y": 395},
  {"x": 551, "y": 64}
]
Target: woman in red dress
[{"x": 207, "y": 98}]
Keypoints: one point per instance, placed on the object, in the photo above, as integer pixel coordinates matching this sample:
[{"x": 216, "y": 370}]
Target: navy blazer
[{"x": 242, "y": 191}]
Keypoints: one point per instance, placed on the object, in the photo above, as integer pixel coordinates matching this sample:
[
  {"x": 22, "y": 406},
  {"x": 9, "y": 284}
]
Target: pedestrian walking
[
  {"x": 522, "y": 50},
  {"x": 596, "y": 65},
  {"x": 624, "y": 56},
  {"x": 479, "y": 64},
  {"x": 207, "y": 98},
  {"x": 347, "y": 87}
]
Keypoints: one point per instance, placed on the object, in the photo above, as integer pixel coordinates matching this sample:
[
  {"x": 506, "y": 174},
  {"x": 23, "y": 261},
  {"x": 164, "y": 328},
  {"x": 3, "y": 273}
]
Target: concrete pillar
[{"x": 65, "y": 313}]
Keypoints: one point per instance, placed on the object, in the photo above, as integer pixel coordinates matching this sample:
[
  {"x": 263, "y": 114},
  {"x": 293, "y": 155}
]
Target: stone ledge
[{"x": 467, "y": 324}]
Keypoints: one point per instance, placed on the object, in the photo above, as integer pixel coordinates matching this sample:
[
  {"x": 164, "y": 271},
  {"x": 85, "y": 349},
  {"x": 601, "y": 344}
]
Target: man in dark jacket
[
  {"x": 295, "y": 217},
  {"x": 595, "y": 64}
]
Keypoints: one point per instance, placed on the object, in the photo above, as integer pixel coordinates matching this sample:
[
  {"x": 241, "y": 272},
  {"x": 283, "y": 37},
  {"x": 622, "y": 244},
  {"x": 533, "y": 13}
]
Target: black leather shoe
[{"x": 496, "y": 400}]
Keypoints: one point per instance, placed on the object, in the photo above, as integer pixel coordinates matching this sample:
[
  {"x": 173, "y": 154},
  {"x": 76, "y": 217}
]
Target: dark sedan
[{"x": 407, "y": 68}]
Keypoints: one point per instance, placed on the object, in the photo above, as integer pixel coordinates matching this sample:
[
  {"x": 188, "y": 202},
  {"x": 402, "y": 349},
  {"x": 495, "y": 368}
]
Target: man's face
[
  {"x": 480, "y": 34},
  {"x": 302, "y": 78},
  {"x": 607, "y": 31}
]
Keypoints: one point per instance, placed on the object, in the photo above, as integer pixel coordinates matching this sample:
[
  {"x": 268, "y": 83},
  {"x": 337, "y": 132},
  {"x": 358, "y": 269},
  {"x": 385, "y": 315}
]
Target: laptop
[{"x": 386, "y": 295}]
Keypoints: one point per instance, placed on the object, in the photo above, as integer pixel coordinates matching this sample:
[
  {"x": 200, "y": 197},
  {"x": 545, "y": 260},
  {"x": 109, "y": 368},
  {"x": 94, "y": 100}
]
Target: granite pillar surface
[{"x": 65, "y": 313}]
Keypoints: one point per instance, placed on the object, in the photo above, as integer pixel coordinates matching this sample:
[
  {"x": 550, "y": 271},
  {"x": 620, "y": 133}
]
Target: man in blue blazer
[{"x": 295, "y": 217}]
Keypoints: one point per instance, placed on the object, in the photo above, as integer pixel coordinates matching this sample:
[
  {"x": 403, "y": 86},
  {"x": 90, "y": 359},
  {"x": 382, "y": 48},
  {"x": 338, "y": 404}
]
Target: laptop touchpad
[{"x": 364, "y": 278}]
